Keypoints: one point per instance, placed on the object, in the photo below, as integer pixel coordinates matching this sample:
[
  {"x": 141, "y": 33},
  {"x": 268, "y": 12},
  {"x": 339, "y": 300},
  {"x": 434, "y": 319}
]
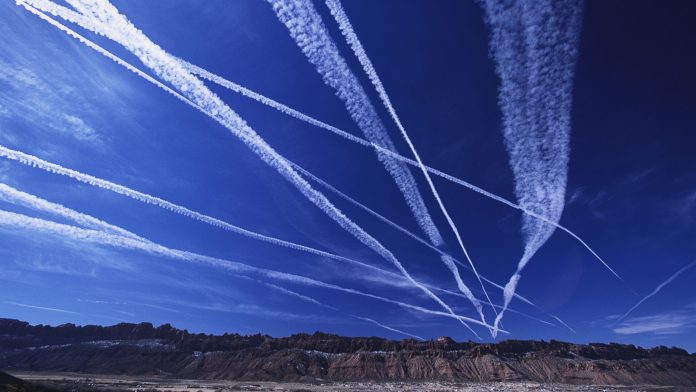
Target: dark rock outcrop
[{"x": 142, "y": 349}]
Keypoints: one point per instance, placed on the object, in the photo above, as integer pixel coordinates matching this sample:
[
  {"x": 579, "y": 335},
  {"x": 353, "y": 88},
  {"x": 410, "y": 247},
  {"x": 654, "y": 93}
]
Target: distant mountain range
[{"x": 142, "y": 349}]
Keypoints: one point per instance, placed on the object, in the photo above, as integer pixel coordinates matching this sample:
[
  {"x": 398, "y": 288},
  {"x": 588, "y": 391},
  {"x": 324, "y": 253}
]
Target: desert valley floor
[{"x": 75, "y": 382}]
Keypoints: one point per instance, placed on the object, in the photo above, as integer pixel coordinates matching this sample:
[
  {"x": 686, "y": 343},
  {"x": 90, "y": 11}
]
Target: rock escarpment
[{"x": 142, "y": 349}]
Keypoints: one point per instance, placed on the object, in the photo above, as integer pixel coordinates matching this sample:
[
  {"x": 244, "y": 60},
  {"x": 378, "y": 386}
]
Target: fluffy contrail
[
  {"x": 534, "y": 45},
  {"x": 11, "y": 219},
  {"x": 657, "y": 289},
  {"x": 15, "y": 196},
  {"x": 118, "y": 28},
  {"x": 369, "y": 320},
  {"x": 320, "y": 124},
  {"x": 308, "y": 30},
  {"x": 352, "y": 39}
]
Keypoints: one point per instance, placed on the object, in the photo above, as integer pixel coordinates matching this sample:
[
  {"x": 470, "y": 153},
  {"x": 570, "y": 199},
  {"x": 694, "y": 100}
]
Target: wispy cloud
[
  {"x": 40, "y": 307},
  {"x": 29, "y": 98},
  {"x": 660, "y": 324}
]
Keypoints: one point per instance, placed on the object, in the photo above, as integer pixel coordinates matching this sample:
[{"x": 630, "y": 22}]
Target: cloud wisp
[
  {"x": 107, "y": 20},
  {"x": 377, "y": 323},
  {"x": 534, "y": 45},
  {"x": 657, "y": 289},
  {"x": 667, "y": 323}
]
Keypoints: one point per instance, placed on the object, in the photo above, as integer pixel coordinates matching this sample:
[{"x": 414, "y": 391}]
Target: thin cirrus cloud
[
  {"x": 29, "y": 97},
  {"x": 668, "y": 323}
]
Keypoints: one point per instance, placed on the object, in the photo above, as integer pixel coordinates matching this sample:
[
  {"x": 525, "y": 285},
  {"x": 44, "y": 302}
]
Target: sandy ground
[{"x": 103, "y": 383}]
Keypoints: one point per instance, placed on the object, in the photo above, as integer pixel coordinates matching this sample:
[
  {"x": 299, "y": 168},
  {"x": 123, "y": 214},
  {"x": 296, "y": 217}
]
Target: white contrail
[
  {"x": 15, "y": 196},
  {"x": 11, "y": 219},
  {"x": 307, "y": 29},
  {"x": 320, "y": 124},
  {"x": 534, "y": 44},
  {"x": 369, "y": 320},
  {"x": 657, "y": 290},
  {"x": 119, "y": 29},
  {"x": 352, "y": 39}
]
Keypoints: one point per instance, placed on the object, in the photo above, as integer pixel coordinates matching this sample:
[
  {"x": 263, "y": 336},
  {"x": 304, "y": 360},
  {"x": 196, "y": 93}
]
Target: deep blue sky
[{"x": 631, "y": 191}]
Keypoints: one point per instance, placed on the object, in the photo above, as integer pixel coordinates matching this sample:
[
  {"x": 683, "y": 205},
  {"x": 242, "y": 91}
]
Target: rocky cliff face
[{"x": 141, "y": 349}]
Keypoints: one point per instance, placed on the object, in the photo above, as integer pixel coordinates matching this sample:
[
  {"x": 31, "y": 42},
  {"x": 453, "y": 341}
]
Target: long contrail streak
[
  {"x": 352, "y": 39},
  {"x": 657, "y": 290},
  {"x": 118, "y": 28},
  {"x": 307, "y": 29},
  {"x": 11, "y": 219}
]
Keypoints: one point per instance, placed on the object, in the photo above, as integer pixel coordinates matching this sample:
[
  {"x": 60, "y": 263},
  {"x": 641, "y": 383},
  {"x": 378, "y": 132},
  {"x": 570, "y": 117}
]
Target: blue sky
[{"x": 631, "y": 188}]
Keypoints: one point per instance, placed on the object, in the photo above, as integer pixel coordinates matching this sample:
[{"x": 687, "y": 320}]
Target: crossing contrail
[
  {"x": 116, "y": 27},
  {"x": 657, "y": 289},
  {"x": 307, "y": 29},
  {"x": 534, "y": 45},
  {"x": 11, "y": 219},
  {"x": 365, "y": 143}
]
